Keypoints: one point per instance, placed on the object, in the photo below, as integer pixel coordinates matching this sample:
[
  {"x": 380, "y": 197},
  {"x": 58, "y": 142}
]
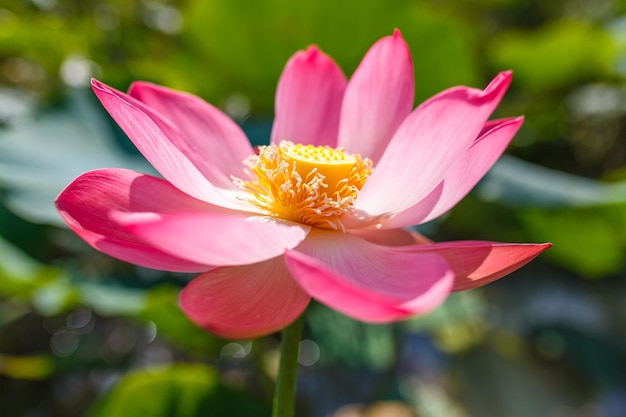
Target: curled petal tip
[
  {"x": 397, "y": 38},
  {"x": 503, "y": 77},
  {"x": 311, "y": 55},
  {"x": 312, "y": 52},
  {"x": 499, "y": 85},
  {"x": 99, "y": 87},
  {"x": 541, "y": 247},
  {"x": 96, "y": 84}
]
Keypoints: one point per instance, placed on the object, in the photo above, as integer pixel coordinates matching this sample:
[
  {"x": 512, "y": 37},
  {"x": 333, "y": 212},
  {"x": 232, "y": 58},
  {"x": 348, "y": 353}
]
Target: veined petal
[
  {"x": 476, "y": 263},
  {"x": 213, "y": 143},
  {"x": 378, "y": 98},
  {"x": 87, "y": 203},
  {"x": 368, "y": 282},
  {"x": 308, "y": 100},
  {"x": 216, "y": 237},
  {"x": 392, "y": 237},
  {"x": 480, "y": 157},
  {"x": 162, "y": 144},
  {"x": 430, "y": 142},
  {"x": 244, "y": 302}
]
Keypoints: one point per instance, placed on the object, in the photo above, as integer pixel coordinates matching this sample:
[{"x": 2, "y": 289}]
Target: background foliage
[{"x": 82, "y": 334}]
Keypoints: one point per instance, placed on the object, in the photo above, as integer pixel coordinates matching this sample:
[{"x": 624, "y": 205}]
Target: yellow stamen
[{"x": 313, "y": 185}]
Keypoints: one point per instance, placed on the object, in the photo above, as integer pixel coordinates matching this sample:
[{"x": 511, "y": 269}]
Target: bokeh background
[{"x": 82, "y": 334}]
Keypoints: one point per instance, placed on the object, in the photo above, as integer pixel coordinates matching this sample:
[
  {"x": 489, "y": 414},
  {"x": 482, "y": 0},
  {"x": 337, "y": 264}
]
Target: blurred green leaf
[
  {"x": 246, "y": 45},
  {"x": 46, "y": 288},
  {"x": 517, "y": 183},
  {"x": 111, "y": 300},
  {"x": 40, "y": 157},
  {"x": 39, "y": 52},
  {"x": 559, "y": 54},
  {"x": 26, "y": 367},
  {"x": 457, "y": 324},
  {"x": 354, "y": 343},
  {"x": 590, "y": 241},
  {"x": 50, "y": 290},
  {"x": 227, "y": 47},
  {"x": 163, "y": 310},
  {"x": 183, "y": 390}
]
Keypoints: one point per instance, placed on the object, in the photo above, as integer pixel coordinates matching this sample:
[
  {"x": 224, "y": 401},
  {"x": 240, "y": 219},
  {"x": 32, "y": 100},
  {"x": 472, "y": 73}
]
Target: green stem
[{"x": 285, "y": 394}]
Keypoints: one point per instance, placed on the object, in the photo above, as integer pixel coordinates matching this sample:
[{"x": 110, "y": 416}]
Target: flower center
[{"x": 313, "y": 185}]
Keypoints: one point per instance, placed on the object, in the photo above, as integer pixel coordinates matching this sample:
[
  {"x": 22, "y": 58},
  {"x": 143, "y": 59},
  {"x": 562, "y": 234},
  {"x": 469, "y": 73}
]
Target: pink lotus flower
[{"x": 317, "y": 213}]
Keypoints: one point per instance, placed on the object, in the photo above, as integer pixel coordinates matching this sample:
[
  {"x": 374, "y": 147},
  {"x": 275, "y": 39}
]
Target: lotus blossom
[{"x": 318, "y": 213}]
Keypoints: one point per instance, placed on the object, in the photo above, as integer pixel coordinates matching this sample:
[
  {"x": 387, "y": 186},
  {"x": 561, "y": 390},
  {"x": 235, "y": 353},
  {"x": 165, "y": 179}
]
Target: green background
[{"x": 83, "y": 334}]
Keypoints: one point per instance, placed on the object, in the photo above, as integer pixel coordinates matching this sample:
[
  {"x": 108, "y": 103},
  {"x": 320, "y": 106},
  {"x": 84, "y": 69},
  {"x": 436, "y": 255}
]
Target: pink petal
[
  {"x": 378, "y": 98},
  {"x": 215, "y": 237},
  {"x": 366, "y": 281},
  {"x": 476, "y": 263},
  {"x": 431, "y": 141},
  {"x": 391, "y": 237},
  {"x": 86, "y": 205},
  {"x": 209, "y": 139},
  {"x": 308, "y": 100},
  {"x": 464, "y": 176},
  {"x": 162, "y": 144},
  {"x": 244, "y": 302}
]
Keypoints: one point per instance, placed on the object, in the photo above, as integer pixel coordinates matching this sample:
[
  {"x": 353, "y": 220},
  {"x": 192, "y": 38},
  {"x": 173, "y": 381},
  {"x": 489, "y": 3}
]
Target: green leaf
[
  {"x": 456, "y": 325},
  {"x": 50, "y": 290},
  {"x": 245, "y": 45},
  {"x": 26, "y": 367},
  {"x": 556, "y": 55},
  {"x": 515, "y": 182},
  {"x": 46, "y": 288},
  {"x": 350, "y": 342},
  {"x": 183, "y": 390},
  {"x": 110, "y": 300},
  {"x": 39, "y": 157},
  {"x": 590, "y": 241},
  {"x": 163, "y": 310}
]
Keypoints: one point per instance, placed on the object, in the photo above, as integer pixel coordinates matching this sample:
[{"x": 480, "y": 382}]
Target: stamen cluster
[{"x": 313, "y": 185}]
